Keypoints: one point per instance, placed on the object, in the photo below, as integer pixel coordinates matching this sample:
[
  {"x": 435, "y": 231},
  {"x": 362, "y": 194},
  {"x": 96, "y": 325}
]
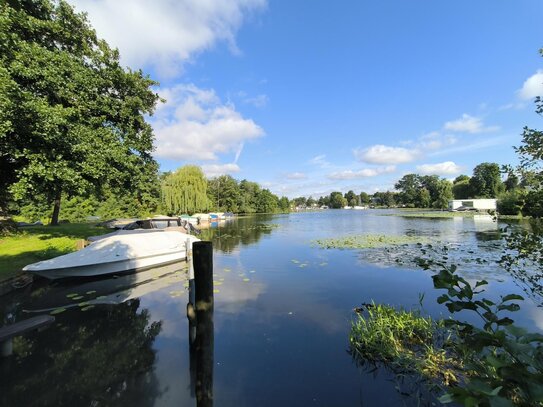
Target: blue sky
[{"x": 310, "y": 97}]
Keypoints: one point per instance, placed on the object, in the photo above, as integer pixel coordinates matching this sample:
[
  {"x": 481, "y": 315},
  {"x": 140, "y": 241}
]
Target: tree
[
  {"x": 352, "y": 198},
  {"x": 461, "y": 188},
  {"x": 224, "y": 193},
  {"x": 249, "y": 192},
  {"x": 337, "y": 201},
  {"x": 185, "y": 191},
  {"x": 365, "y": 199},
  {"x": 267, "y": 202},
  {"x": 443, "y": 194},
  {"x": 486, "y": 181},
  {"x": 284, "y": 204},
  {"x": 73, "y": 120},
  {"x": 310, "y": 202},
  {"x": 409, "y": 186}
]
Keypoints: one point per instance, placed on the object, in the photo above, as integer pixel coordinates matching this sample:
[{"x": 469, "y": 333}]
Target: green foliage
[
  {"x": 523, "y": 258},
  {"x": 511, "y": 202},
  {"x": 486, "y": 181},
  {"x": 461, "y": 189},
  {"x": 224, "y": 193},
  {"x": 505, "y": 362},
  {"x": 404, "y": 341},
  {"x": 337, "y": 201},
  {"x": 73, "y": 119},
  {"x": 267, "y": 202},
  {"x": 185, "y": 191}
]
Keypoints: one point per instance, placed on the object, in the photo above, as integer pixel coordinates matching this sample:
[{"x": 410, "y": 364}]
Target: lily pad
[{"x": 57, "y": 311}]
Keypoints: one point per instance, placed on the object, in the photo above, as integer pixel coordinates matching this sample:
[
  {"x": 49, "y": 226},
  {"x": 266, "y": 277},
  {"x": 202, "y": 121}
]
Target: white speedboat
[{"x": 118, "y": 253}]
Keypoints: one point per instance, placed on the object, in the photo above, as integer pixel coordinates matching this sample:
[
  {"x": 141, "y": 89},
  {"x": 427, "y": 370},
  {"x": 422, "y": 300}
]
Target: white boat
[{"x": 118, "y": 253}]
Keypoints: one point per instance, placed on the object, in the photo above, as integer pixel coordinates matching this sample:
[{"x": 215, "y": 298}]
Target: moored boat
[{"x": 118, "y": 253}]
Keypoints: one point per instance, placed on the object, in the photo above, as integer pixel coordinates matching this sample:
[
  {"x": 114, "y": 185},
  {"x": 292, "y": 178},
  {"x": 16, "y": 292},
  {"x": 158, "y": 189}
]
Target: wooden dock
[{"x": 7, "y": 333}]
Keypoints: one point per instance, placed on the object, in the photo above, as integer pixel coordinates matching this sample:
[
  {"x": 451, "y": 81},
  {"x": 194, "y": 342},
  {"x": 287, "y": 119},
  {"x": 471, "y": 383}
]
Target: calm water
[{"x": 282, "y": 316}]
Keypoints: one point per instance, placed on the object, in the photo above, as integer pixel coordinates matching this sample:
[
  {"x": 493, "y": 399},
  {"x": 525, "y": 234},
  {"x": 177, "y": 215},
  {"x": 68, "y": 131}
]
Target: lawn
[{"x": 37, "y": 243}]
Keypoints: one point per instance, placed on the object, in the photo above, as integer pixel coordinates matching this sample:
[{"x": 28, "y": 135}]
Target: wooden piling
[{"x": 203, "y": 346}]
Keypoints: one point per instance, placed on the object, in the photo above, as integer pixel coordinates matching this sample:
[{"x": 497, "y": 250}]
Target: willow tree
[{"x": 185, "y": 190}]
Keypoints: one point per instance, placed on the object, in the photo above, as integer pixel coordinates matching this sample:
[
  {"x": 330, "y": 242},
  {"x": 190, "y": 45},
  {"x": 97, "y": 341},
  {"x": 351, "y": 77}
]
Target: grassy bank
[
  {"x": 37, "y": 243},
  {"x": 435, "y": 214}
]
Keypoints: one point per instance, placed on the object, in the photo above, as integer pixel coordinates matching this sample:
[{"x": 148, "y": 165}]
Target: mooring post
[{"x": 203, "y": 284}]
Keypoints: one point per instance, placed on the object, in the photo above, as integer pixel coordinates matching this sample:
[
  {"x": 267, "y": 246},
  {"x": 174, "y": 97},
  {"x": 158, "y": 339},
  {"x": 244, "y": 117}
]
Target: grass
[
  {"x": 366, "y": 241},
  {"x": 404, "y": 341},
  {"x": 436, "y": 214},
  {"x": 37, "y": 243}
]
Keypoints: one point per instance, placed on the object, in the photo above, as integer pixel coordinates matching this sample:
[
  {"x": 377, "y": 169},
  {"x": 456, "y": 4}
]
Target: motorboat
[
  {"x": 156, "y": 223},
  {"x": 118, "y": 253}
]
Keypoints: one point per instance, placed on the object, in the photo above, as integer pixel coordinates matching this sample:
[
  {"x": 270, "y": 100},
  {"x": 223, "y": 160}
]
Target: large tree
[
  {"x": 72, "y": 119},
  {"x": 486, "y": 181},
  {"x": 185, "y": 191},
  {"x": 409, "y": 187}
]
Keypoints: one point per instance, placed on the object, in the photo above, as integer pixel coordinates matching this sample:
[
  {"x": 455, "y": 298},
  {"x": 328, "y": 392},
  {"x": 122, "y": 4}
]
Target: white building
[{"x": 472, "y": 204}]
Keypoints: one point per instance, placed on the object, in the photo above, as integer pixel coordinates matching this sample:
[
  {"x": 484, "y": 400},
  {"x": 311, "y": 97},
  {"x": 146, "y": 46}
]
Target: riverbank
[
  {"x": 437, "y": 214},
  {"x": 36, "y": 243}
]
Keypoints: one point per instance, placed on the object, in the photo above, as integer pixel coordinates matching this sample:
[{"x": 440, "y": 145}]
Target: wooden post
[{"x": 203, "y": 282}]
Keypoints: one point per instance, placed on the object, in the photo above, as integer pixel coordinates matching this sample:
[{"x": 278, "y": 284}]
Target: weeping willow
[{"x": 185, "y": 191}]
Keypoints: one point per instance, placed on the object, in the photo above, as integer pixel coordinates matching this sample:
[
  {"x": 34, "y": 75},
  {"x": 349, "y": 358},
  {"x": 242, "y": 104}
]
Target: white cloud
[
  {"x": 364, "y": 173},
  {"x": 435, "y": 141},
  {"x": 468, "y": 124},
  {"x": 380, "y": 154},
  {"x": 164, "y": 33},
  {"x": 532, "y": 87},
  {"x": 257, "y": 101},
  {"x": 296, "y": 175},
  {"x": 195, "y": 125},
  {"x": 444, "y": 168},
  {"x": 213, "y": 170},
  {"x": 320, "y": 161}
]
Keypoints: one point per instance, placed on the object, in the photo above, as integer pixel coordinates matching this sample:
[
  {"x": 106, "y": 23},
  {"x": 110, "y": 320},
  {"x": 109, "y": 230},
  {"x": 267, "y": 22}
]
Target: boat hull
[{"x": 117, "y": 254}]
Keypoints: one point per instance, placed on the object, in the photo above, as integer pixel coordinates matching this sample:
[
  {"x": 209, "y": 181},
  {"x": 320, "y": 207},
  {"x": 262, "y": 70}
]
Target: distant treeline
[
  {"x": 173, "y": 193},
  {"x": 518, "y": 194}
]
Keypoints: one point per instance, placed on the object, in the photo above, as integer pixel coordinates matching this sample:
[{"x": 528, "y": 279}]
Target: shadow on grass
[{"x": 11, "y": 264}]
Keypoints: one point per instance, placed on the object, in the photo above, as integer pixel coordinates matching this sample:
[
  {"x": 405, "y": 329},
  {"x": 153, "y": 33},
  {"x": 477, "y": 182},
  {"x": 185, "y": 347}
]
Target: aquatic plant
[
  {"x": 495, "y": 363},
  {"x": 404, "y": 341},
  {"x": 366, "y": 241}
]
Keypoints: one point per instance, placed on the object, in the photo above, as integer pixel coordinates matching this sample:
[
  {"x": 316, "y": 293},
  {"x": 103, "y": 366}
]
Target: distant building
[{"x": 472, "y": 205}]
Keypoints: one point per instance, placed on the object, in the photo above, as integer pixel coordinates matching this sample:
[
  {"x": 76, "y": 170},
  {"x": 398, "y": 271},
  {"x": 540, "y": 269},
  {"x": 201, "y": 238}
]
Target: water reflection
[
  {"x": 103, "y": 356},
  {"x": 239, "y": 231}
]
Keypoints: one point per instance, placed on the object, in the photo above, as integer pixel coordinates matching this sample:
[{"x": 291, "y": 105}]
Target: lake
[{"x": 283, "y": 309}]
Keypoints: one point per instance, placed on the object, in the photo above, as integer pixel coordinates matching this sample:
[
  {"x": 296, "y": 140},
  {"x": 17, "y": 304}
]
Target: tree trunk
[{"x": 56, "y": 208}]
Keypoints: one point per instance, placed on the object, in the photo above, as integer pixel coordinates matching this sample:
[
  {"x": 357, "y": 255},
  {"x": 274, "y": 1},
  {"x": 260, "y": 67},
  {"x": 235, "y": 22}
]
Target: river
[{"x": 283, "y": 309}]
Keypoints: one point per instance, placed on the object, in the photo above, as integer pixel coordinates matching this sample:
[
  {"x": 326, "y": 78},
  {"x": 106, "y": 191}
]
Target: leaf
[{"x": 510, "y": 297}]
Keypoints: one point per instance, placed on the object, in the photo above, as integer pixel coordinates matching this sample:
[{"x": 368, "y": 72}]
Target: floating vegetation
[
  {"x": 78, "y": 297},
  {"x": 87, "y": 308},
  {"x": 303, "y": 265},
  {"x": 216, "y": 290},
  {"x": 227, "y": 270},
  {"x": 295, "y": 261},
  {"x": 323, "y": 264},
  {"x": 217, "y": 283},
  {"x": 404, "y": 341},
  {"x": 91, "y": 292},
  {"x": 57, "y": 311},
  {"x": 246, "y": 280},
  {"x": 367, "y": 241},
  {"x": 252, "y": 271}
]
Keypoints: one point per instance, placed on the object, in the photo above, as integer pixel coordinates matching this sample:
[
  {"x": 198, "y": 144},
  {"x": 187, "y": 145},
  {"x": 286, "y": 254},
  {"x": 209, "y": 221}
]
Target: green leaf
[{"x": 510, "y": 297}]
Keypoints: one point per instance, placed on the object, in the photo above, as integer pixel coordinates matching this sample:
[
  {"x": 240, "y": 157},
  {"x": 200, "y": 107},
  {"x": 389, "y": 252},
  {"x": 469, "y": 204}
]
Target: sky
[{"x": 309, "y": 97}]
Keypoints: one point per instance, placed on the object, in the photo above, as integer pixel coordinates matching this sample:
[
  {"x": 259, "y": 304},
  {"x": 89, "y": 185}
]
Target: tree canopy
[
  {"x": 185, "y": 191},
  {"x": 72, "y": 118}
]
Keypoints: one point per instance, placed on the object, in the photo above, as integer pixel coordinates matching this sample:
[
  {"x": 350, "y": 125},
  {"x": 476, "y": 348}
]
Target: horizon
[{"x": 310, "y": 100}]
